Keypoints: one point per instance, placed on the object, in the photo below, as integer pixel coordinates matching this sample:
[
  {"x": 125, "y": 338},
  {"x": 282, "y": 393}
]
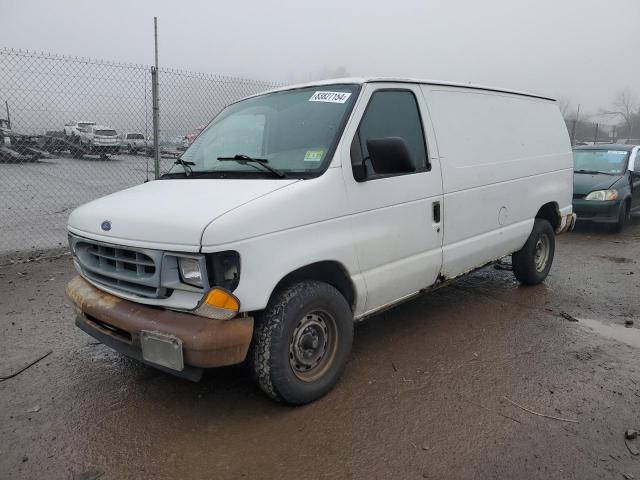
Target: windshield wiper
[
  {"x": 186, "y": 164},
  {"x": 244, "y": 159},
  {"x": 591, "y": 171}
]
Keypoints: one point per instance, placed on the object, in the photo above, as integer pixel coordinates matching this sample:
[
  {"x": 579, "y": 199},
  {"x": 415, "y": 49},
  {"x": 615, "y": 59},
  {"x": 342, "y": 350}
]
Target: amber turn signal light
[{"x": 219, "y": 304}]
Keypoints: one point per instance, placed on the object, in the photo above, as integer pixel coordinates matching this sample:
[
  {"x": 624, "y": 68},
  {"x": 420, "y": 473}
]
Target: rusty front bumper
[
  {"x": 117, "y": 323},
  {"x": 567, "y": 223}
]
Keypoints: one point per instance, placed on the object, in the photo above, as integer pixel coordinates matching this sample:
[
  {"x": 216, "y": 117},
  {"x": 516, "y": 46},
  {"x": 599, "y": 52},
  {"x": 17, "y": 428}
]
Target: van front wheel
[
  {"x": 301, "y": 342},
  {"x": 531, "y": 264}
]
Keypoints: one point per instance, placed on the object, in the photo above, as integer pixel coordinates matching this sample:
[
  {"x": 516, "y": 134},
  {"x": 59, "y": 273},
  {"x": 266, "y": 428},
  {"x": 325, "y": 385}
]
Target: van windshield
[
  {"x": 600, "y": 161},
  {"x": 295, "y": 131}
]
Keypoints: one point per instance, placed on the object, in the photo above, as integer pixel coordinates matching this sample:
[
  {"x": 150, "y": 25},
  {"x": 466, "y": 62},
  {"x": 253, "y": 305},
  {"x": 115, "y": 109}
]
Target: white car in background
[
  {"x": 133, "y": 142},
  {"x": 99, "y": 140},
  {"x": 73, "y": 129}
]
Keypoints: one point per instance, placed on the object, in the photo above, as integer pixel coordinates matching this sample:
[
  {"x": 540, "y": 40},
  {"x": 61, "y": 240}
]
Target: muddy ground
[{"x": 427, "y": 393}]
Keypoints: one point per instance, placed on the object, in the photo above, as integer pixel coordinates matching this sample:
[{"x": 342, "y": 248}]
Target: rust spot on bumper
[
  {"x": 567, "y": 223},
  {"x": 206, "y": 342}
]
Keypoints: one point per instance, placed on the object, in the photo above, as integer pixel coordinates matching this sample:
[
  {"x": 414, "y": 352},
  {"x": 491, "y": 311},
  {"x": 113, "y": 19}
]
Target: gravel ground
[{"x": 430, "y": 390}]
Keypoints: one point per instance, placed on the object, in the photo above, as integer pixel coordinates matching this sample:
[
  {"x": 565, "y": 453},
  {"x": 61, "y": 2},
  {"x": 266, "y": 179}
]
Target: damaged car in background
[{"x": 606, "y": 186}]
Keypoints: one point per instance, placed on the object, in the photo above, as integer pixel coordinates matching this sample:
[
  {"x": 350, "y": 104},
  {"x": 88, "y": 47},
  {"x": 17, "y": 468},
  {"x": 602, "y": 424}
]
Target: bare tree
[{"x": 624, "y": 107}]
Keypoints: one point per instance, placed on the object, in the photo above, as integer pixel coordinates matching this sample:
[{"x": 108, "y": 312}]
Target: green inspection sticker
[{"x": 313, "y": 155}]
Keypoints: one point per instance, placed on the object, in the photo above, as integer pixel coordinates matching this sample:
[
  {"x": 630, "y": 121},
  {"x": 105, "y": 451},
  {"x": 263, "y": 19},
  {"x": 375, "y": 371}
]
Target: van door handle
[{"x": 436, "y": 212}]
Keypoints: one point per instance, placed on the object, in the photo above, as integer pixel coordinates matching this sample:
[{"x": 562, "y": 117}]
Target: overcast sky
[{"x": 585, "y": 50}]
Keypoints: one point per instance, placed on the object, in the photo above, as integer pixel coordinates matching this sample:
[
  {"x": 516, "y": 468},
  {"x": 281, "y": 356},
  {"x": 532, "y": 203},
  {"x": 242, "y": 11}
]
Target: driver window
[{"x": 391, "y": 113}]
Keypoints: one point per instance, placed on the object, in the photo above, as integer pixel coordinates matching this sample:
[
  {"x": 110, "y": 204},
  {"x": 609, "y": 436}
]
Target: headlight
[
  {"x": 601, "y": 195},
  {"x": 190, "y": 271},
  {"x": 224, "y": 269}
]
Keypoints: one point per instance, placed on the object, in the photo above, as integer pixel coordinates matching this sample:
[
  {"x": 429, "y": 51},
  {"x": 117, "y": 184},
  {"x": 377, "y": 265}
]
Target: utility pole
[
  {"x": 575, "y": 126},
  {"x": 156, "y": 105}
]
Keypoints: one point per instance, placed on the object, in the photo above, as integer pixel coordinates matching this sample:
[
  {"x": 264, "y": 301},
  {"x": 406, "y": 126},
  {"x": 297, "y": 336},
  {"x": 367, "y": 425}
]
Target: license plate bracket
[{"x": 162, "y": 349}]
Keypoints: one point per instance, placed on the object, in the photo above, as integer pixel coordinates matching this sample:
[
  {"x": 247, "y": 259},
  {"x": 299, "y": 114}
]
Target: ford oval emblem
[{"x": 106, "y": 225}]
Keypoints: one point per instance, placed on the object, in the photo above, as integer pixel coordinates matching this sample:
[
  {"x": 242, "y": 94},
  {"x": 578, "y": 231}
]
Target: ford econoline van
[{"x": 298, "y": 211}]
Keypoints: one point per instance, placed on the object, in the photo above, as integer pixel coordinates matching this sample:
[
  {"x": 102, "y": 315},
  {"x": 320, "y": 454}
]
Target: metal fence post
[
  {"x": 156, "y": 123},
  {"x": 156, "y": 105}
]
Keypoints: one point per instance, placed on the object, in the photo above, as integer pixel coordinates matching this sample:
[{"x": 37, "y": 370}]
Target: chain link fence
[
  {"x": 583, "y": 132},
  {"x": 75, "y": 129}
]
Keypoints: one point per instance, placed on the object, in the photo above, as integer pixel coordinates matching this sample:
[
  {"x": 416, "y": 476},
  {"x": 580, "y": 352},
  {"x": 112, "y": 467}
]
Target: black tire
[
  {"x": 531, "y": 264},
  {"x": 284, "y": 334},
  {"x": 623, "y": 216}
]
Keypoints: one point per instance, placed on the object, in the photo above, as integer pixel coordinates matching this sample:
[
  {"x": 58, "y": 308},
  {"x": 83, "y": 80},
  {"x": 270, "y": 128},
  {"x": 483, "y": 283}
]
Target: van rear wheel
[
  {"x": 531, "y": 264},
  {"x": 301, "y": 342}
]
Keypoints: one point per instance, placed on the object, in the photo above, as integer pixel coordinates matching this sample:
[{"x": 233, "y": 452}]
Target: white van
[{"x": 297, "y": 211}]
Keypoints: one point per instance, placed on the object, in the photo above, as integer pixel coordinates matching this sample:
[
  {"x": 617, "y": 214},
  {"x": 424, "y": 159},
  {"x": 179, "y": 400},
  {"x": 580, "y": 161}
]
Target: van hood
[
  {"x": 585, "y": 183},
  {"x": 166, "y": 214}
]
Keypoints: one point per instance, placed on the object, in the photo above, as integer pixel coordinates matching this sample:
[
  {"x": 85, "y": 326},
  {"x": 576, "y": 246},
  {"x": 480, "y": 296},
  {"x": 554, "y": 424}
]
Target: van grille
[{"x": 131, "y": 270}]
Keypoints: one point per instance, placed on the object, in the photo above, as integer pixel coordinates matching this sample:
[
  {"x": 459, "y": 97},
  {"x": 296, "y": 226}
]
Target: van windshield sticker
[
  {"x": 313, "y": 155},
  {"x": 330, "y": 97},
  {"x": 617, "y": 152}
]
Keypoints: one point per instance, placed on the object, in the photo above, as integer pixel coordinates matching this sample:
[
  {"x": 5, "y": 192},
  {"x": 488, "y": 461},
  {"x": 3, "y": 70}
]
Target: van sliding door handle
[{"x": 436, "y": 212}]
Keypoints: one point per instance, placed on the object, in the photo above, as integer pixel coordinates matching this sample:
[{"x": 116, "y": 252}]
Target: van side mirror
[{"x": 390, "y": 155}]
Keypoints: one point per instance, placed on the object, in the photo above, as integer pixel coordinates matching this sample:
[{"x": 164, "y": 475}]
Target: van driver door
[{"x": 396, "y": 217}]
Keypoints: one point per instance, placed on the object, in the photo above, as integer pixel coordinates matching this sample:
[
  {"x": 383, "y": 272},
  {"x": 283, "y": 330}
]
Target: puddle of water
[
  {"x": 616, "y": 259},
  {"x": 630, "y": 336}
]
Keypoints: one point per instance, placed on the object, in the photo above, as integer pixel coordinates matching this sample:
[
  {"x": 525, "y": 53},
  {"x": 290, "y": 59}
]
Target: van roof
[{"x": 363, "y": 80}]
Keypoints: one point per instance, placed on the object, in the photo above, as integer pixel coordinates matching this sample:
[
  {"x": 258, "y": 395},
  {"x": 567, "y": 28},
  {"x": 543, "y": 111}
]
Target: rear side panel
[{"x": 502, "y": 156}]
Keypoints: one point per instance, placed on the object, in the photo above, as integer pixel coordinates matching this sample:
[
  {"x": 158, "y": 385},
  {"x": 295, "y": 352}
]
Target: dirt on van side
[{"x": 481, "y": 379}]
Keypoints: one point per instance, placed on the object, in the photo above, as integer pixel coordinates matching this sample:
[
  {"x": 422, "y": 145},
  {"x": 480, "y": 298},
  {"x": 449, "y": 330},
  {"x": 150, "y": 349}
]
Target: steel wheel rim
[
  {"x": 313, "y": 345},
  {"x": 541, "y": 256}
]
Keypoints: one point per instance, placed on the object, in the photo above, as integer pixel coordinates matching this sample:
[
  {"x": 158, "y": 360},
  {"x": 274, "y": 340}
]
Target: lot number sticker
[
  {"x": 330, "y": 97},
  {"x": 313, "y": 155}
]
